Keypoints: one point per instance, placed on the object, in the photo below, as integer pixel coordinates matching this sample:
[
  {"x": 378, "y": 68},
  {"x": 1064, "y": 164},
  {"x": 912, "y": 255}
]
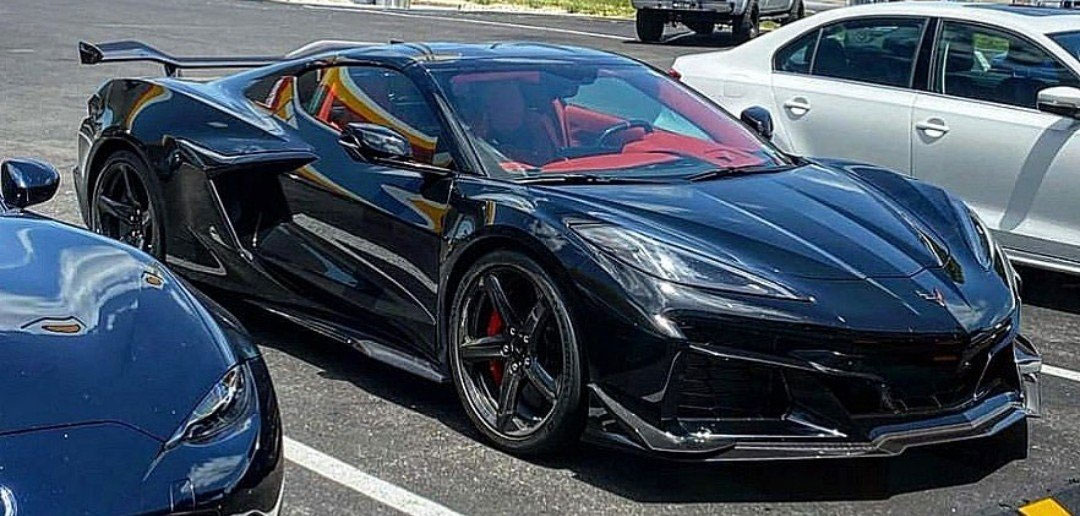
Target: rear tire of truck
[
  {"x": 700, "y": 27},
  {"x": 650, "y": 25},
  {"x": 797, "y": 12},
  {"x": 747, "y": 26}
]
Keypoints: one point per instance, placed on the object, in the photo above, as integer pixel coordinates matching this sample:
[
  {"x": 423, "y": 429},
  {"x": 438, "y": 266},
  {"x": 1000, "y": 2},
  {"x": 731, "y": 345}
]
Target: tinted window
[
  {"x": 797, "y": 55},
  {"x": 1070, "y": 41},
  {"x": 985, "y": 64},
  {"x": 876, "y": 50},
  {"x": 341, "y": 95}
]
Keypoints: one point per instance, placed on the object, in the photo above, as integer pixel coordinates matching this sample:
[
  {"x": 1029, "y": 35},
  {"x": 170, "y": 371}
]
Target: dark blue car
[{"x": 122, "y": 390}]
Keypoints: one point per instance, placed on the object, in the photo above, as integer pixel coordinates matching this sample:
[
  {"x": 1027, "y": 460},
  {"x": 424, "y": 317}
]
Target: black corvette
[
  {"x": 122, "y": 390},
  {"x": 580, "y": 244}
]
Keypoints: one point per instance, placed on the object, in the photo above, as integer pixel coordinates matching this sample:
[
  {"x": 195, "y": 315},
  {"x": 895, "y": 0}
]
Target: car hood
[
  {"x": 811, "y": 222},
  {"x": 84, "y": 469},
  {"x": 93, "y": 331}
]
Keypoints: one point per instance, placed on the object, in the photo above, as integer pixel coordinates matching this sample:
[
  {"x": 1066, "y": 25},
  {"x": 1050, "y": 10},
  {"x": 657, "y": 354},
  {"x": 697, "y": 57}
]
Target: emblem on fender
[{"x": 934, "y": 295}]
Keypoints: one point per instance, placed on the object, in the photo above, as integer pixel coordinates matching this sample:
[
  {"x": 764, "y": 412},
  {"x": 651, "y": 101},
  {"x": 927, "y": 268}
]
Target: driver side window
[
  {"x": 340, "y": 95},
  {"x": 984, "y": 64}
]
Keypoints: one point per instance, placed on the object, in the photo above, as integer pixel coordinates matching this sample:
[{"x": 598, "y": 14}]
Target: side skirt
[{"x": 365, "y": 345}]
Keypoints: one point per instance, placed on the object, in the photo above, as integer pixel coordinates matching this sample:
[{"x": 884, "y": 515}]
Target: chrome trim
[{"x": 1042, "y": 262}]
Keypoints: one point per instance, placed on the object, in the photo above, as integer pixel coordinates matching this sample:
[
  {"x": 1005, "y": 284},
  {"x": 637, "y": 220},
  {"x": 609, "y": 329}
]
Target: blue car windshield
[{"x": 526, "y": 119}]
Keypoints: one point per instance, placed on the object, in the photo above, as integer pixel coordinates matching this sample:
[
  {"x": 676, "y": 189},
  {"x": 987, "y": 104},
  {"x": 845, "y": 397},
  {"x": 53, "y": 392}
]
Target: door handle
[
  {"x": 933, "y": 128},
  {"x": 798, "y": 106}
]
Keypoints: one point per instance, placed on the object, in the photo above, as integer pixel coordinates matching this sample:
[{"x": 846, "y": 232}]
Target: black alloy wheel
[
  {"x": 515, "y": 356},
  {"x": 124, "y": 204}
]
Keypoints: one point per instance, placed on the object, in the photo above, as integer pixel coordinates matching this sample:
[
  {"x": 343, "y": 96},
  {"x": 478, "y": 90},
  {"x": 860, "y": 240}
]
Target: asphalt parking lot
[{"x": 395, "y": 443}]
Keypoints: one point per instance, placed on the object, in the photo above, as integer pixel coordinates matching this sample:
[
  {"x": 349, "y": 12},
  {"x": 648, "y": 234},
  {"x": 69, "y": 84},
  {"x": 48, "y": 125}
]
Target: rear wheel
[
  {"x": 650, "y": 25},
  {"x": 514, "y": 355},
  {"x": 126, "y": 204},
  {"x": 747, "y": 26}
]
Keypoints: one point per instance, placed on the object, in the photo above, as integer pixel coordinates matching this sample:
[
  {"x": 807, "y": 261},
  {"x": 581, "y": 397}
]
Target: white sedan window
[{"x": 985, "y": 64}]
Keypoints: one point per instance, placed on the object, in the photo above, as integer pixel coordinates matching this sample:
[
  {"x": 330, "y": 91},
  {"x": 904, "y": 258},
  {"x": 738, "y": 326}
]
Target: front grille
[
  {"x": 726, "y": 389},
  {"x": 881, "y": 375}
]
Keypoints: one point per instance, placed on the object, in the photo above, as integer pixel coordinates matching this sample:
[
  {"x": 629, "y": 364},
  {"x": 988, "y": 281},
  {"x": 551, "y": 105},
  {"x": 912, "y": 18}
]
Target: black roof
[{"x": 436, "y": 54}]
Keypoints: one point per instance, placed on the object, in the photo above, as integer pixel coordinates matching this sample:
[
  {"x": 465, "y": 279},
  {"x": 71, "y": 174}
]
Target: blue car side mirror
[
  {"x": 759, "y": 119},
  {"x": 26, "y": 182}
]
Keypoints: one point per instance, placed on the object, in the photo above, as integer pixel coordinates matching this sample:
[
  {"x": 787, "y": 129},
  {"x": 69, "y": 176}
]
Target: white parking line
[
  {"x": 374, "y": 488},
  {"x": 469, "y": 20},
  {"x": 1061, "y": 372}
]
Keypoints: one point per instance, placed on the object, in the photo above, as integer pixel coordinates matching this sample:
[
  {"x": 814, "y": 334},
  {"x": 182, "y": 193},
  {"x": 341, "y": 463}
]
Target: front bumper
[{"x": 819, "y": 413}]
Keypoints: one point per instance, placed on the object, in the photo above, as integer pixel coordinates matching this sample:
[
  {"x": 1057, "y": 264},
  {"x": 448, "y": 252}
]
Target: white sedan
[{"x": 981, "y": 99}]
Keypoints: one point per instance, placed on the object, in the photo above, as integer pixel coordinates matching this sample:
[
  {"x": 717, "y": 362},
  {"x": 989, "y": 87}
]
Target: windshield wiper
[
  {"x": 587, "y": 179},
  {"x": 736, "y": 171}
]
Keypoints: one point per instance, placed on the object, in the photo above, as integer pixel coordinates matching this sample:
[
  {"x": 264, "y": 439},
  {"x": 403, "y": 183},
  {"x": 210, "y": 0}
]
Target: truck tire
[
  {"x": 797, "y": 12},
  {"x": 747, "y": 26},
  {"x": 701, "y": 27},
  {"x": 650, "y": 25}
]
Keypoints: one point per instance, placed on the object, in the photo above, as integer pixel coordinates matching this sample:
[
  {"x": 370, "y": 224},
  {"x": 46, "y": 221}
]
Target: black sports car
[
  {"x": 122, "y": 391},
  {"x": 575, "y": 240}
]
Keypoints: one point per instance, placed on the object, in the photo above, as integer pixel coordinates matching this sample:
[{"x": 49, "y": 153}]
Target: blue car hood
[
  {"x": 810, "y": 222},
  {"x": 93, "y": 331},
  {"x": 85, "y": 469}
]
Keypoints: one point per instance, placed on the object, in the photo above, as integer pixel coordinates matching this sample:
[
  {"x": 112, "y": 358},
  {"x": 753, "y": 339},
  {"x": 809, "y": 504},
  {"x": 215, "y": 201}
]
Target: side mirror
[
  {"x": 759, "y": 119},
  {"x": 1060, "y": 100},
  {"x": 26, "y": 182},
  {"x": 370, "y": 141}
]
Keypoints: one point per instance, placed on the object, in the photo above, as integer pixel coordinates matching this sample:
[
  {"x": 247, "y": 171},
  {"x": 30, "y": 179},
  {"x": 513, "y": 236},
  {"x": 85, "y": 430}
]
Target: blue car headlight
[
  {"x": 228, "y": 401},
  {"x": 676, "y": 264}
]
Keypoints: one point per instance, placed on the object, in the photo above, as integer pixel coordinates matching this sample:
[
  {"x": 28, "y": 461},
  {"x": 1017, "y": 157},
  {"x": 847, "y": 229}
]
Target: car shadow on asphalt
[
  {"x": 636, "y": 477},
  {"x": 1052, "y": 290},
  {"x": 718, "y": 39}
]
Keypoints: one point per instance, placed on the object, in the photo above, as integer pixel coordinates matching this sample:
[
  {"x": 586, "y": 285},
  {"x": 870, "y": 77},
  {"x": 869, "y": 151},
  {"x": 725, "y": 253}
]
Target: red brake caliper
[{"x": 494, "y": 326}]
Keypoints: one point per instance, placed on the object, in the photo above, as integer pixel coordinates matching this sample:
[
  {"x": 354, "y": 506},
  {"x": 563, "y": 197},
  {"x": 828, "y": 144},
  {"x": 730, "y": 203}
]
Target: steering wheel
[{"x": 620, "y": 127}]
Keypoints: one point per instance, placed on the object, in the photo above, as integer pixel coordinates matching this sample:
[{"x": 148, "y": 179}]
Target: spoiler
[{"x": 123, "y": 51}]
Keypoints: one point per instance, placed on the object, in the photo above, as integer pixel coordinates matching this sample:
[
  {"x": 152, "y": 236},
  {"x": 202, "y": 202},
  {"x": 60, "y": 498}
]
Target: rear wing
[{"x": 123, "y": 51}]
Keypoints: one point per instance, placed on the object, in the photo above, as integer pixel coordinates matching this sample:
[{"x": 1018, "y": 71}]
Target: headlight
[
  {"x": 226, "y": 403},
  {"x": 675, "y": 264}
]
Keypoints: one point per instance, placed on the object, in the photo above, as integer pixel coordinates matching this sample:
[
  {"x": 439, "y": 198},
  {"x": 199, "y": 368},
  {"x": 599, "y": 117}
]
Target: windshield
[
  {"x": 1070, "y": 41},
  {"x": 614, "y": 120}
]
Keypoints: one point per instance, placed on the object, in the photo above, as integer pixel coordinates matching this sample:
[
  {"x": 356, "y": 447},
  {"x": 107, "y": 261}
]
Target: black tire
[
  {"x": 147, "y": 198},
  {"x": 797, "y": 12},
  {"x": 535, "y": 424},
  {"x": 747, "y": 26},
  {"x": 701, "y": 27},
  {"x": 650, "y": 25}
]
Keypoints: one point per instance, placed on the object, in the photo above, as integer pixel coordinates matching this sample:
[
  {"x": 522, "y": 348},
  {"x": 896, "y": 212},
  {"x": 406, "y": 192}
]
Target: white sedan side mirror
[{"x": 1060, "y": 100}]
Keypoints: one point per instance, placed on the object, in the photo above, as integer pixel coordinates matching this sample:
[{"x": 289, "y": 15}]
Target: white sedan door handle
[
  {"x": 798, "y": 106},
  {"x": 933, "y": 128}
]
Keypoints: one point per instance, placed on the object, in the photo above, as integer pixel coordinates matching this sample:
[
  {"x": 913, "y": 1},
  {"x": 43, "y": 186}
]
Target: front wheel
[
  {"x": 650, "y": 25},
  {"x": 514, "y": 355},
  {"x": 747, "y": 26},
  {"x": 126, "y": 204}
]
